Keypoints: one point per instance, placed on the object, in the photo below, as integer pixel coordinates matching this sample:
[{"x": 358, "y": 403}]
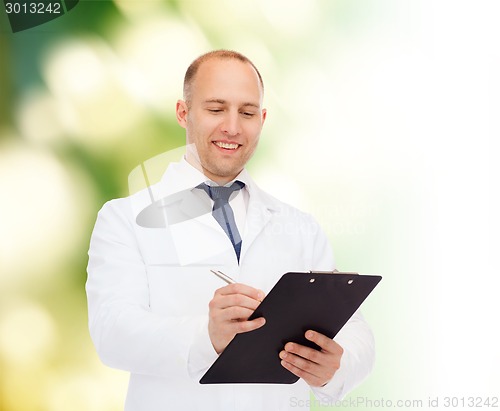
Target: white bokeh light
[
  {"x": 156, "y": 52},
  {"x": 39, "y": 118},
  {"x": 85, "y": 391},
  {"x": 42, "y": 213},
  {"x": 27, "y": 334},
  {"x": 291, "y": 18},
  {"x": 89, "y": 85}
]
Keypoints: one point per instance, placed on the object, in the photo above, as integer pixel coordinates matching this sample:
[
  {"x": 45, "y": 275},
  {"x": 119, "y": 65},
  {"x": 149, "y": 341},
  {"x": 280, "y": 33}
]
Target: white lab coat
[{"x": 148, "y": 292}]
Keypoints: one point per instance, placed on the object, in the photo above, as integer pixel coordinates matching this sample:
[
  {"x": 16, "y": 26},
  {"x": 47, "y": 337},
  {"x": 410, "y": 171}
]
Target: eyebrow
[{"x": 220, "y": 101}]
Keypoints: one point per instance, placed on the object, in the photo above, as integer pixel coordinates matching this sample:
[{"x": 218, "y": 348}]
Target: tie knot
[{"x": 221, "y": 194}]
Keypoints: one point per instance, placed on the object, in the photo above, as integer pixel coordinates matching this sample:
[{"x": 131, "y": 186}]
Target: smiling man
[
  {"x": 154, "y": 308},
  {"x": 222, "y": 114}
]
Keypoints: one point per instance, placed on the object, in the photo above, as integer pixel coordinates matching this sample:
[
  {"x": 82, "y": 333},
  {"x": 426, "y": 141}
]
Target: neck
[{"x": 220, "y": 180}]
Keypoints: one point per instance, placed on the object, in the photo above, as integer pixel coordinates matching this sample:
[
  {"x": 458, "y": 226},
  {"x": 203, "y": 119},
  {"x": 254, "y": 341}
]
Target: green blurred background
[{"x": 382, "y": 122}]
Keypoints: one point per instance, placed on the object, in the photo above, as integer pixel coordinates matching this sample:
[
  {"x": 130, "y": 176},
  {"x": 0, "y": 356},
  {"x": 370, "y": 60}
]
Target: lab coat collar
[
  {"x": 179, "y": 177},
  {"x": 172, "y": 200},
  {"x": 261, "y": 207}
]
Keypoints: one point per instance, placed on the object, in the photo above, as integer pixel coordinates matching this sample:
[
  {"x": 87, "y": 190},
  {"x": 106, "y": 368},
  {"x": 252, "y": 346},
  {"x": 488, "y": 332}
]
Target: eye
[
  {"x": 247, "y": 114},
  {"x": 214, "y": 110}
]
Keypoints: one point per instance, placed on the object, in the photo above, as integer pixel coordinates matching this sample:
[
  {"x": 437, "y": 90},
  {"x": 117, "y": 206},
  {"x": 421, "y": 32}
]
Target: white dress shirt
[{"x": 238, "y": 201}]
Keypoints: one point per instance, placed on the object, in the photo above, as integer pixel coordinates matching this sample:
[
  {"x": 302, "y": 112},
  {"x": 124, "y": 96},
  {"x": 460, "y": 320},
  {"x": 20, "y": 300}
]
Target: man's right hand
[{"x": 229, "y": 311}]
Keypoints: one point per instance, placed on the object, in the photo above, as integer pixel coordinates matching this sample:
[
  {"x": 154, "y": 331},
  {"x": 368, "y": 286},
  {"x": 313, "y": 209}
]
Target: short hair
[{"x": 216, "y": 54}]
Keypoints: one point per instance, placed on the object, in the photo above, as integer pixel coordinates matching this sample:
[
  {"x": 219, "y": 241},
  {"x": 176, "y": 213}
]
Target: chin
[{"x": 224, "y": 173}]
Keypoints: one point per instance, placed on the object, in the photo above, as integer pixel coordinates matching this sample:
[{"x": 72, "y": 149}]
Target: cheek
[
  {"x": 253, "y": 134},
  {"x": 205, "y": 128}
]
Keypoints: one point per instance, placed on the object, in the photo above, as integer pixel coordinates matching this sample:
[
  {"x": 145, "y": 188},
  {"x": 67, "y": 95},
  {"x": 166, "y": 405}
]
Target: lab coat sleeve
[
  {"x": 356, "y": 363},
  {"x": 126, "y": 334},
  {"x": 355, "y": 338},
  {"x": 201, "y": 354}
]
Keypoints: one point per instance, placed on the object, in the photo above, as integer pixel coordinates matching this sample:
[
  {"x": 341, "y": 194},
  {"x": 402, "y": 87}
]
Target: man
[{"x": 155, "y": 309}]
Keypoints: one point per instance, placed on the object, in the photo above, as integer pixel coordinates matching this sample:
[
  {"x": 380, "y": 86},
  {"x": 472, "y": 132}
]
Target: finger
[
  {"x": 231, "y": 314},
  {"x": 326, "y": 343},
  {"x": 311, "y": 379},
  {"x": 299, "y": 352},
  {"x": 298, "y": 361},
  {"x": 239, "y": 288},
  {"x": 233, "y": 301},
  {"x": 237, "y": 300},
  {"x": 246, "y": 326}
]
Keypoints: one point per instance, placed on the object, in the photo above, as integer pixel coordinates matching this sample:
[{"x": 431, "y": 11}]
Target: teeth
[{"x": 230, "y": 146}]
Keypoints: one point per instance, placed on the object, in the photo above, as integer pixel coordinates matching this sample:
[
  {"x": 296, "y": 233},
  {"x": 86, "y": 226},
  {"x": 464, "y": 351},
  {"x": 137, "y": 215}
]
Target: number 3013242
[{"x": 33, "y": 8}]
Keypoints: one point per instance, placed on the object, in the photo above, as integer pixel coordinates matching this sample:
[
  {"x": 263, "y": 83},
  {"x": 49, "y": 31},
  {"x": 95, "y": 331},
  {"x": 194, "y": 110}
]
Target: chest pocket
[{"x": 181, "y": 291}]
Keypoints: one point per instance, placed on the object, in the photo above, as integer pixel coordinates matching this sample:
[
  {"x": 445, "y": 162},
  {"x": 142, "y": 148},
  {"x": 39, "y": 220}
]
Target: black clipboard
[{"x": 298, "y": 302}]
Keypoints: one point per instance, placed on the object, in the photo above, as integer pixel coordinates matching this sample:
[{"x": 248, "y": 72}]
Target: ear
[
  {"x": 264, "y": 115},
  {"x": 181, "y": 111}
]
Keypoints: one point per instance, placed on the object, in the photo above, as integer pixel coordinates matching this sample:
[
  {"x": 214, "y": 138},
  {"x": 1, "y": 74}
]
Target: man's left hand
[{"x": 315, "y": 367}]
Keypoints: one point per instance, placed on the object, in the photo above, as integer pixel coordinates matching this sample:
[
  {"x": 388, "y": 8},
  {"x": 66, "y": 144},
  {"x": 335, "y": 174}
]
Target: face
[{"x": 223, "y": 118}]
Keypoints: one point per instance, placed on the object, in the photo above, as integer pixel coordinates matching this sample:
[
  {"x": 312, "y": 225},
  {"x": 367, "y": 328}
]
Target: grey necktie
[{"x": 223, "y": 212}]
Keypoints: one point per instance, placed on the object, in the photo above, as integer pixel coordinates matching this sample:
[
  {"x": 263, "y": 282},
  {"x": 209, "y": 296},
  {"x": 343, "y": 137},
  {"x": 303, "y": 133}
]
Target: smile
[{"x": 227, "y": 146}]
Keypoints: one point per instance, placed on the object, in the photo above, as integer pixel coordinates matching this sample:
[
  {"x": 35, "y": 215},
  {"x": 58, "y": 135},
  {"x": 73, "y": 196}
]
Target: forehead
[{"x": 226, "y": 79}]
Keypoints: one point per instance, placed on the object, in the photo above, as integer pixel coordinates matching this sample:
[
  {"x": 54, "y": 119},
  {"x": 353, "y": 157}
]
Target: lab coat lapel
[
  {"x": 259, "y": 214},
  {"x": 197, "y": 241},
  {"x": 198, "y": 237}
]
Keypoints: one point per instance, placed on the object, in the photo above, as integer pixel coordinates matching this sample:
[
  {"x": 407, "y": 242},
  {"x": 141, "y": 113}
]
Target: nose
[{"x": 231, "y": 125}]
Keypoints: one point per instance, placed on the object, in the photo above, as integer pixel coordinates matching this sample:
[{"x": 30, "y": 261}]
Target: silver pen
[{"x": 223, "y": 276}]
